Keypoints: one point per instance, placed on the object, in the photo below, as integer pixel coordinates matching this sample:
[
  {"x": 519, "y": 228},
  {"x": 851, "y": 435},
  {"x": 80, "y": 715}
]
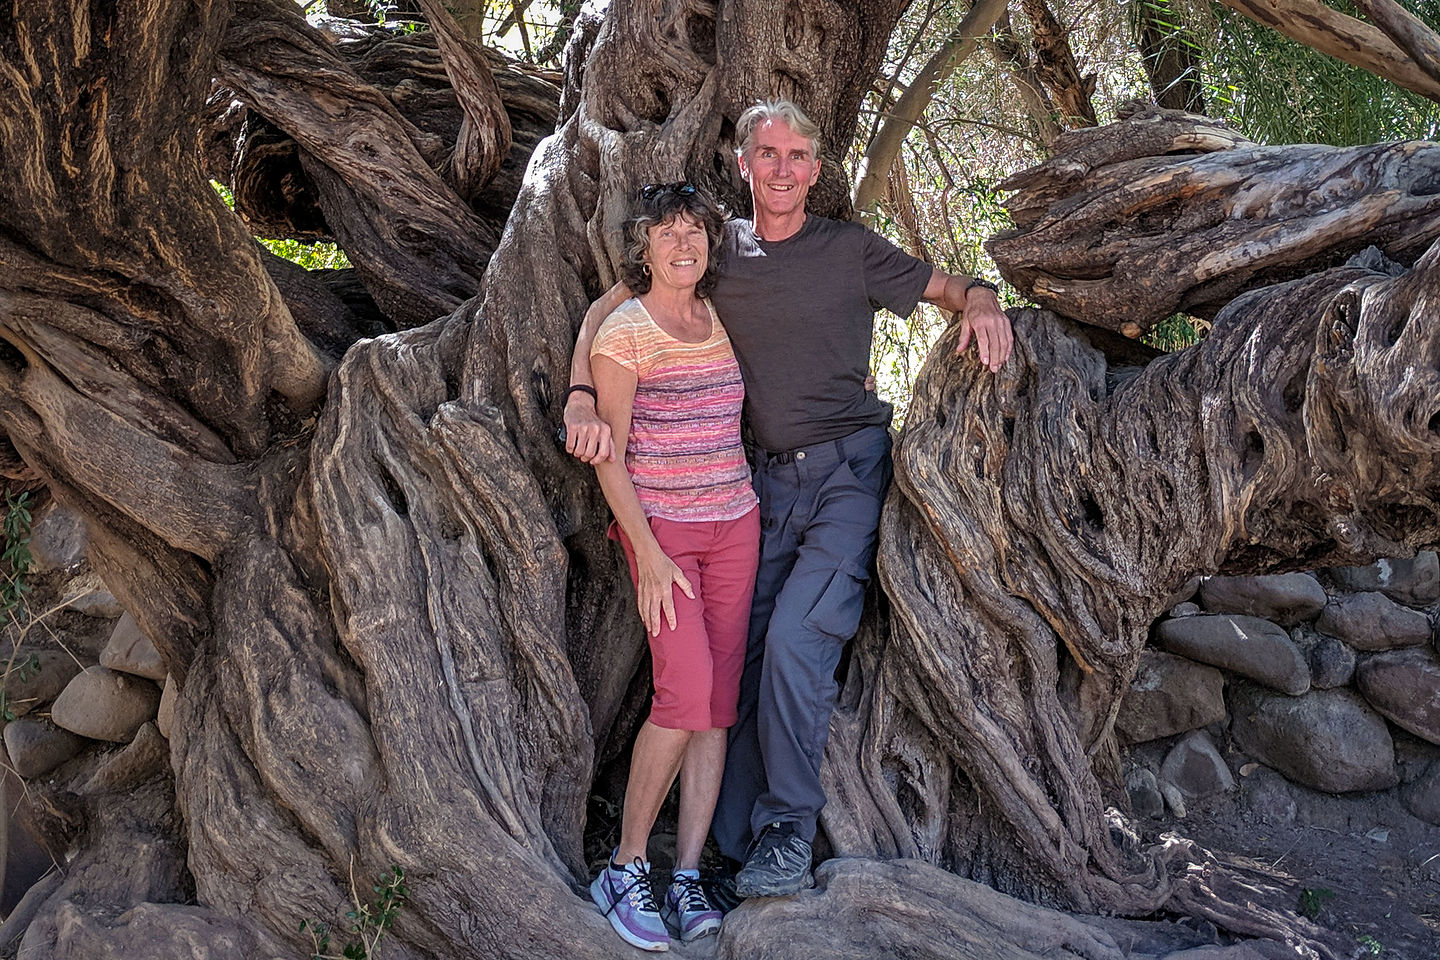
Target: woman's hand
[{"x": 657, "y": 576}]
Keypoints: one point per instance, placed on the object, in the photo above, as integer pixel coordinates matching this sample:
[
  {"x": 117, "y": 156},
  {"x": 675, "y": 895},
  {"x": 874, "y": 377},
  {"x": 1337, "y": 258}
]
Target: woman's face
[{"x": 678, "y": 252}]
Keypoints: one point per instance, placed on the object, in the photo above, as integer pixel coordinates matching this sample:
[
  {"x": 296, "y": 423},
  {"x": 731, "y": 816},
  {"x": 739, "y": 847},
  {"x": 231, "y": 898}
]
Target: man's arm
[
  {"x": 587, "y": 436},
  {"x": 981, "y": 315}
]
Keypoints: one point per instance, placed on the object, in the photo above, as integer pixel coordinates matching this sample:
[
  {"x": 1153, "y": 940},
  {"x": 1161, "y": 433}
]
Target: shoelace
[
  {"x": 769, "y": 844},
  {"x": 691, "y": 897},
  {"x": 638, "y": 889}
]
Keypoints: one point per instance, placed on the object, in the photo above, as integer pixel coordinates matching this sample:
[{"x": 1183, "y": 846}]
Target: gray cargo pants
[{"x": 819, "y": 510}]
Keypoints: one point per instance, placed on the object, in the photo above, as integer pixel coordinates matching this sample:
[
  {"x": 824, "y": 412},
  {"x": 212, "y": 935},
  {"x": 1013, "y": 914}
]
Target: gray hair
[{"x": 780, "y": 111}]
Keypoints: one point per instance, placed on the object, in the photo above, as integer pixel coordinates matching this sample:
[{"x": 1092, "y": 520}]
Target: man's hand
[
  {"x": 586, "y": 435},
  {"x": 981, "y": 315},
  {"x": 990, "y": 327}
]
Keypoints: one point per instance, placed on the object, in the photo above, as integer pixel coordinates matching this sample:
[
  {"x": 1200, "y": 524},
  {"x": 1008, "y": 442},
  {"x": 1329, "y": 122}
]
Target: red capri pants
[{"x": 697, "y": 665}]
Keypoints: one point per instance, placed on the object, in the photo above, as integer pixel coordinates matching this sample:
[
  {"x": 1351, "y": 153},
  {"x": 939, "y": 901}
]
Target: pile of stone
[
  {"x": 67, "y": 696},
  {"x": 1317, "y": 676}
]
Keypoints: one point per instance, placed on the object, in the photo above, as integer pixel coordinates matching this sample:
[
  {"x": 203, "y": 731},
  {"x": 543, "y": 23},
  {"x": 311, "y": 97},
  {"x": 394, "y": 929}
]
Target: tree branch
[
  {"x": 884, "y": 148},
  {"x": 1408, "y": 32},
  {"x": 1331, "y": 32},
  {"x": 484, "y": 140},
  {"x": 1167, "y": 212}
]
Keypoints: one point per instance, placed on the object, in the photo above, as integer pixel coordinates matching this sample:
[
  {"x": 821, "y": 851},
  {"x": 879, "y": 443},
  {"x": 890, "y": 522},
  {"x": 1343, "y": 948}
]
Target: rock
[
  {"x": 1196, "y": 767},
  {"x": 36, "y": 746},
  {"x": 1249, "y": 646},
  {"x": 1404, "y": 685},
  {"x": 1422, "y": 798},
  {"x": 57, "y": 539},
  {"x": 1332, "y": 663},
  {"x": 1415, "y": 582},
  {"x": 1413, "y": 756},
  {"x": 104, "y": 704},
  {"x": 1372, "y": 621},
  {"x": 142, "y": 758},
  {"x": 165, "y": 718},
  {"x": 1186, "y": 609},
  {"x": 130, "y": 651},
  {"x": 1170, "y": 695},
  {"x": 1174, "y": 799},
  {"x": 1269, "y": 797},
  {"x": 1328, "y": 739},
  {"x": 88, "y": 594},
  {"x": 1145, "y": 797},
  {"x": 1285, "y": 598},
  {"x": 36, "y": 679}
]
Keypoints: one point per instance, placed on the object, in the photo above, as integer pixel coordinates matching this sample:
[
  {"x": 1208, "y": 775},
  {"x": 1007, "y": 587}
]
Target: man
[{"x": 797, "y": 294}]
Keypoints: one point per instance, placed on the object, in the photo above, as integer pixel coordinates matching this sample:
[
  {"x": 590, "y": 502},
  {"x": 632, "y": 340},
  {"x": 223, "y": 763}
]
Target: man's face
[{"x": 781, "y": 167}]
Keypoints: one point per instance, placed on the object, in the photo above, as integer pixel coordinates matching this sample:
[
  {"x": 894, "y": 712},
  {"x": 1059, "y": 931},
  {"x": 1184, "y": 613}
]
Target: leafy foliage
[
  {"x": 15, "y": 564},
  {"x": 311, "y": 256},
  {"x": 1279, "y": 91},
  {"x": 369, "y": 922}
]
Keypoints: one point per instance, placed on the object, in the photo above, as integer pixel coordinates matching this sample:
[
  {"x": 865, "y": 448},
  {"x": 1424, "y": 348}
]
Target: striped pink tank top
[{"x": 683, "y": 453}]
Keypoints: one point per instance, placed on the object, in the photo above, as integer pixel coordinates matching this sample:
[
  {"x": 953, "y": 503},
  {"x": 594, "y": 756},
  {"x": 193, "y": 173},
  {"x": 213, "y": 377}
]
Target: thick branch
[
  {"x": 1169, "y": 212},
  {"x": 415, "y": 242},
  {"x": 1055, "y": 65},
  {"x": 1331, "y": 32},
  {"x": 881, "y": 152},
  {"x": 1408, "y": 32},
  {"x": 484, "y": 139}
]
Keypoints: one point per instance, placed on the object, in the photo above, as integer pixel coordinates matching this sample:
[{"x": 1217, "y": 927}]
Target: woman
[{"x": 669, "y": 387}]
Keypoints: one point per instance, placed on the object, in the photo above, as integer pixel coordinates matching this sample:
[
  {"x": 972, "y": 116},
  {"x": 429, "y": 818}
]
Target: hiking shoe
[
  {"x": 720, "y": 890},
  {"x": 687, "y": 911},
  {"x": 779, "y": 864},
  {"x": 624, "y": 896}
]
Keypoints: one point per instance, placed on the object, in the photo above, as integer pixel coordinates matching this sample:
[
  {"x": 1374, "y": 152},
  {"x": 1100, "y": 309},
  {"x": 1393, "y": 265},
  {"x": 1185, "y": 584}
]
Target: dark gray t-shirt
[{"x": 801, "y": 314}]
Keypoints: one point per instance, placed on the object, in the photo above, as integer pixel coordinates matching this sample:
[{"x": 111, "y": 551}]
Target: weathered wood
[
  {"x": 1048, "y": 516},
  {"x": 402, "y": 635},
  {"x": 382, "y": 197},
  {"x": 1166, "y": 211},
  {"x": 483, "y": 141},
  {"x": 1328, "y": 30},
  {"x": 262, "y": 164},
  {"x": 1056, "y": 67},
  {"x": 1408, "y": 32},
  {"x": 863, "y": 909}
]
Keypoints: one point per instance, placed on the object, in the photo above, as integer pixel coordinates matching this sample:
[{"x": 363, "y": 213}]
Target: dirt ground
[{"x": 1361, "y": 863}]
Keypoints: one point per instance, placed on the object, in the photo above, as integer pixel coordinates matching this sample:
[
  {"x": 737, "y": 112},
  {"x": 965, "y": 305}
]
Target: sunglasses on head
[{"x": 652, "y": 190}]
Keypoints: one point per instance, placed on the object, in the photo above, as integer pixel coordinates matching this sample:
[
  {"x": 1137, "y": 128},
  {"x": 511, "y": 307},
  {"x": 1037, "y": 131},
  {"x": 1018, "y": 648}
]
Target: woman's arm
[
  {"x": 587, "y": 435},
  {"x": 656, "y": 574}
]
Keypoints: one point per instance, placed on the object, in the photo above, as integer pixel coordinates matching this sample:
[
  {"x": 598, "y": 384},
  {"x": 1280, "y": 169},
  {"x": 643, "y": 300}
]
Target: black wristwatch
[{"x": 977, "y": 282}]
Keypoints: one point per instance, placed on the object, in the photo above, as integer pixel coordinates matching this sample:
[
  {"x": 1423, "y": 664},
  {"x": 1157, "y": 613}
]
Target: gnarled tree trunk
[{"x": 401, "y": 634}]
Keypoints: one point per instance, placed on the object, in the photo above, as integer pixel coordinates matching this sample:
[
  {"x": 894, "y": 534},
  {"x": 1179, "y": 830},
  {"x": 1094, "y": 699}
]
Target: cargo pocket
[{"x": 837, "y": 613}]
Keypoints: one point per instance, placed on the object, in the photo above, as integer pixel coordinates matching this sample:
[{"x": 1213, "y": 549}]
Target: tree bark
[
  {"x": 401, "y": 635},
  {"x": 1169, "y": 57},
  {"x": 1168, "y": 212},
  {"x": 1048, "y": 516},
  {"x": 1017, "y": 63},
  {"x": 383, "y": 200},
  {"x": 1408, "y": 32},
  {"x": 1055, "y": 66},
  {"x": 1331, "y": 32}
]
